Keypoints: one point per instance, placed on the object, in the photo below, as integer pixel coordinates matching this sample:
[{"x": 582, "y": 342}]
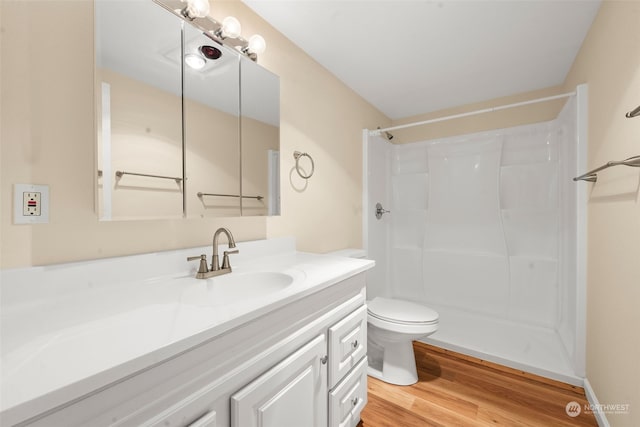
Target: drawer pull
[
  {"x": 324, "y": 359},
  {"x": 354, "y": 344},
  {"x": 354, "y": 401}
]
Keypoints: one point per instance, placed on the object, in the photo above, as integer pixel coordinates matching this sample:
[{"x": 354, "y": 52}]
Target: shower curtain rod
[{"x": 471, "y": 113}]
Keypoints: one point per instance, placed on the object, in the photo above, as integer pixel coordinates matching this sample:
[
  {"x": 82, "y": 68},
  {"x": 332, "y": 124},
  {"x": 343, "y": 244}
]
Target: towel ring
[{"x": 297, "y": 155}]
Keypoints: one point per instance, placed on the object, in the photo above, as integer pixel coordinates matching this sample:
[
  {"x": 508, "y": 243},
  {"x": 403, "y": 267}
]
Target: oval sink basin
[{"x": 234, "y": 287}]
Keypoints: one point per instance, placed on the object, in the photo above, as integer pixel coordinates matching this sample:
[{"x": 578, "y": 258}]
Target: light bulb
[
  {"x": 196, "y": 8},
  {"x": 194, "y": 61},
  {"x": 231, "y": 27},
  {"x": 257, "y": 44}
]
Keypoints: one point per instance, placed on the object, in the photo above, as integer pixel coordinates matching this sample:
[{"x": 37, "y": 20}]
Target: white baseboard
[{"x": 593, "y": 401}]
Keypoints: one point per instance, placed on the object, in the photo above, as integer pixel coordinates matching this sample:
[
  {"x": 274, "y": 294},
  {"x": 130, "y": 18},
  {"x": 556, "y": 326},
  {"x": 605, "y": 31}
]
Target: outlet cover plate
[{"x": 23, "y": 214}]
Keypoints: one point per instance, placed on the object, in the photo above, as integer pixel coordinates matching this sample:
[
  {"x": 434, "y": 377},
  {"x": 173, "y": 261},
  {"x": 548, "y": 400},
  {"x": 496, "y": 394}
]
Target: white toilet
[{"x": 392, "y": 326}]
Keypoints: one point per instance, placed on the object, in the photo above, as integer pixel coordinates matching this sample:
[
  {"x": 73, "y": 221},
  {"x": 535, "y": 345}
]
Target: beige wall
[
  {"x": 48, "y": 137},
  {"x": 609, "y": 62}
]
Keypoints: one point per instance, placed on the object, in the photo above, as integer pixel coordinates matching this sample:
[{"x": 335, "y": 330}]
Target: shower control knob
[{"x": 380, "y": 210}]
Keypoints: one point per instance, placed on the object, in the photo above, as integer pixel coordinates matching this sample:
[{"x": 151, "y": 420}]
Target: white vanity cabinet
[
  {"x": 300, "y": 364},
  {"x": 294, "y": 392}
]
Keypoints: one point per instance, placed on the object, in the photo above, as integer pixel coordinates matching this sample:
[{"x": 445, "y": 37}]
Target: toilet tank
[{"x": 375, "y": 277}]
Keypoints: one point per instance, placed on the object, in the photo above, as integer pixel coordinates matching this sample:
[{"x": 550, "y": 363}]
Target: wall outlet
[{"x": 30, "y": 204}]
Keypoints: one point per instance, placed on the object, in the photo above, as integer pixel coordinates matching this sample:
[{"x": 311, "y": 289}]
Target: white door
[{"x": 291, "y": 394}]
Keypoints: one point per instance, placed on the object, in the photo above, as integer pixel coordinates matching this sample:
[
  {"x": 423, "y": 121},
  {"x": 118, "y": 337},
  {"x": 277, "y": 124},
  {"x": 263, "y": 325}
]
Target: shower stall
[{"x": 488, "y": 229}]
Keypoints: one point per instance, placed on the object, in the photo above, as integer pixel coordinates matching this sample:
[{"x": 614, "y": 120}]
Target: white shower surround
[{"x": 484, "y": 229}]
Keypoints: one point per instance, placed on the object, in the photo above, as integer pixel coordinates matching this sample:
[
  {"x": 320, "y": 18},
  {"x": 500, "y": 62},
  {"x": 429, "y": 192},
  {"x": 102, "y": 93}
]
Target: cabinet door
[
  {"x": 349, "y": 397},
  {"x": 291, "y": 394},
  {"x": 347, "y": 344}
]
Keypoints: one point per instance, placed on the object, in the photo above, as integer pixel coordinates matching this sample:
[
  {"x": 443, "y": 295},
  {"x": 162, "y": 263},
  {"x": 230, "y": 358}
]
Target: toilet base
[{"x": 399, "y": 365}]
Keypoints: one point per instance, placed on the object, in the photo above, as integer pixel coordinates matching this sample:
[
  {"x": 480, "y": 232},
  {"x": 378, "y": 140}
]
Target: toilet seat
[{"x": 401, "y": 312}]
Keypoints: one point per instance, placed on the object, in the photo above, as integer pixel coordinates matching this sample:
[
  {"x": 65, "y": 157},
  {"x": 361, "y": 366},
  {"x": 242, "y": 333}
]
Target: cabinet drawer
[
  {"x": 207, "y": 420},
  {"x": 195, "y": 411},
  {"x": 349, "y": 397},
  {"x": 347, "y": 344}
]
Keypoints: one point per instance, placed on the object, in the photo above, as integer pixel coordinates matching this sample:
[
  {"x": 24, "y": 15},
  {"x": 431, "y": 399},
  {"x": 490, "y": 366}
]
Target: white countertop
[{"x": 70, "y": 329}]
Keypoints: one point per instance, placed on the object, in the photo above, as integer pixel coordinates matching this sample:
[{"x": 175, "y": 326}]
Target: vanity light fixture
[
  {"x": 225, "y": 33},
  {"x": 194, "y": 61},
  {"x": 195, "y": 9}
]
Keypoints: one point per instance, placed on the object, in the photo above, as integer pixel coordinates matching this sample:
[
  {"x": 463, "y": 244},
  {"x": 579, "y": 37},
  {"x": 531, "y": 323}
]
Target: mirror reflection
[
  {"x": 212, "y": 126},
  {"x": 260, "y": 140},
  {"x": 139, "y": 111}
]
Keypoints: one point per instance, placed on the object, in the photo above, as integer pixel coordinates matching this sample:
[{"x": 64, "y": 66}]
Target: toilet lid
[{"x": 399, "y": 311}]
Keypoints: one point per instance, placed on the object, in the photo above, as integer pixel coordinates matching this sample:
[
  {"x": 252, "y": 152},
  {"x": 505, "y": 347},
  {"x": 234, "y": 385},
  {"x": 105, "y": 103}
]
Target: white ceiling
[{"x": 413, "y": 57}]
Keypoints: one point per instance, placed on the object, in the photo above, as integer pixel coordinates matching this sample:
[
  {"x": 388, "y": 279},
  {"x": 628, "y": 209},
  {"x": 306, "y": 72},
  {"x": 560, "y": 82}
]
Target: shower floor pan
[{"x": 532, "y": 349}]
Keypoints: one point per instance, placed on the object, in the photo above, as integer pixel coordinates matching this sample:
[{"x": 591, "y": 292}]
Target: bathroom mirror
[
  {"x": 139, "y": 111},
  {"x": 195, "y": 140}
]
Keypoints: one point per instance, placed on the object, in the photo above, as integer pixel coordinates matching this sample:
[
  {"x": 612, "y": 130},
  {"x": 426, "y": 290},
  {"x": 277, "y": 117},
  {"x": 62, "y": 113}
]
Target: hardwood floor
[{"x": 458, "y": 390}]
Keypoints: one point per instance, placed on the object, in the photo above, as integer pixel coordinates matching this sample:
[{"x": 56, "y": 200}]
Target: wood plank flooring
[{"x": 458, "y": 390}]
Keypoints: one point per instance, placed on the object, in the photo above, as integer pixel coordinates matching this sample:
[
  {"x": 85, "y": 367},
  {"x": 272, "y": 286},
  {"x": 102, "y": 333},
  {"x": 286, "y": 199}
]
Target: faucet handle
[
  {"x": 225, "y": 258},
  {"x": 203, "y": 263}
]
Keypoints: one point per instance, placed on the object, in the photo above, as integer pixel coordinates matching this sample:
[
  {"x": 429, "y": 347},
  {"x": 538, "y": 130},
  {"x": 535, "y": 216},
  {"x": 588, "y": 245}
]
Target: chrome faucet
[{"x": 216, "y": 270}]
